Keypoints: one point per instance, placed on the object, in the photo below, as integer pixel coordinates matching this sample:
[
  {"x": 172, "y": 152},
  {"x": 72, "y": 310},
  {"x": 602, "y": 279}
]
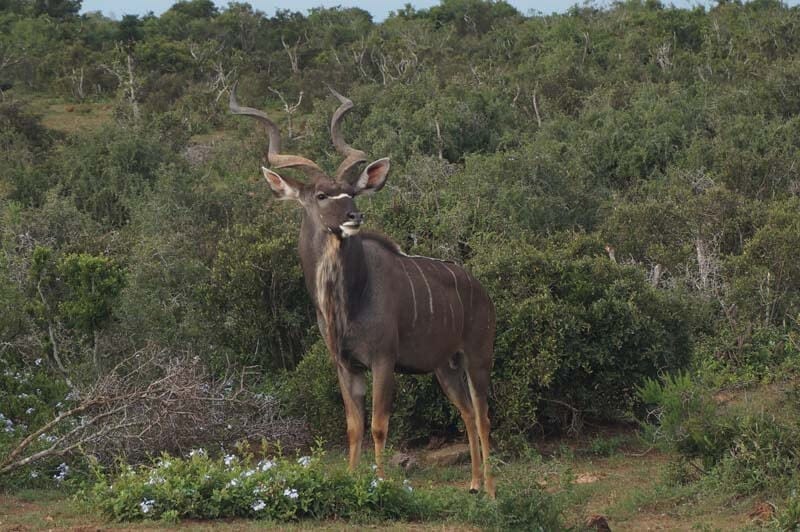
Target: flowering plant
[{"x": 239, "y": 485}]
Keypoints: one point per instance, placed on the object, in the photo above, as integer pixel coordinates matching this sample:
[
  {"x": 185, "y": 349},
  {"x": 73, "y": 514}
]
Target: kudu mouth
[{"x": 350, "y": 228}]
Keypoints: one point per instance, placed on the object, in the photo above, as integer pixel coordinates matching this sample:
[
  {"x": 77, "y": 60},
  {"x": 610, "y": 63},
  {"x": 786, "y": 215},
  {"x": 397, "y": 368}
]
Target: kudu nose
[{"x": 357, "y": 217}]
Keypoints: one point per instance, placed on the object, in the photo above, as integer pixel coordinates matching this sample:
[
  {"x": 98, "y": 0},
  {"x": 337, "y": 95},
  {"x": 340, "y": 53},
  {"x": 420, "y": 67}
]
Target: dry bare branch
[{"x": 153, "y": 402}]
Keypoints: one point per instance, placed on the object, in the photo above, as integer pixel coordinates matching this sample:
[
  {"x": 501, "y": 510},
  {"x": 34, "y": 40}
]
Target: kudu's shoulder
[
  {"x": 384, "y": 243},
  {"x": 381, "y": 241},
  {"x": 431, "y": 268}
]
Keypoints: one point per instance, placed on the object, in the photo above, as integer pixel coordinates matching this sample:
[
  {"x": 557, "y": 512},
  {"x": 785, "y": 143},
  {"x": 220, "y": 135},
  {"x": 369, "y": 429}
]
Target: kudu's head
[{"x": 328, "y": 201}]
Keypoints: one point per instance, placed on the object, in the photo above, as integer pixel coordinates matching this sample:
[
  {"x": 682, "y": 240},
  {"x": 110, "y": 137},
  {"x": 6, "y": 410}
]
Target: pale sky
[{"x": 379, "y": 8}]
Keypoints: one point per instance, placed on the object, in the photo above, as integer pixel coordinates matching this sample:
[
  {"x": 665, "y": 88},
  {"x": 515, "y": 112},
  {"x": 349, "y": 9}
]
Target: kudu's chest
[
  {"x": 330, "y": 294},
  {"x": 346, "y": 301}
]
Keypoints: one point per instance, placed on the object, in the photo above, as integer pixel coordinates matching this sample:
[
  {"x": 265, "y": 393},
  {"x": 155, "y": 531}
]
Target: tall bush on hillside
[{"x": 576, "y": 332}]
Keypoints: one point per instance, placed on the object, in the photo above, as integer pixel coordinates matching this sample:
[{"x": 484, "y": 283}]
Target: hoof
[
  {"x": 473, "y": 490},
  {"x": 490, "y": 488}
]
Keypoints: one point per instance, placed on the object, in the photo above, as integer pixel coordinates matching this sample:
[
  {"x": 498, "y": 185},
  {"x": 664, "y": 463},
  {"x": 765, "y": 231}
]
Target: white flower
[
  {"x": 291, "y": 493},
  {"x": 407, "y": 485},
  {"x": 229, "y": 426},
  {"x": 259, "y": 505},
  {"x": 34, "y": 474},
  {"x": 375, "y": 482},
  {"x": 197, "y": 452},
  {"x": 304, "y": 461},
  {"x": 248, "y": 473},
  {"x": 155, "y": 478},
  {"x": 233, "y": 483},
  {"x": 374, "y": 467},
  {"x": 38, "y": 361},
  {"x": 30, "y": 411},
  {"x": 164, "y": 464},
  {"x": 63, "y": 471},
  {"x": 266, "y": 465},
  {"x": 146, "y": 505},
  {"x": 229, "y": 459}
]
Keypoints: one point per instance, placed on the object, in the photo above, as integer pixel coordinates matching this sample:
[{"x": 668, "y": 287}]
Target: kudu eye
[{"x": 321, "y": 196}]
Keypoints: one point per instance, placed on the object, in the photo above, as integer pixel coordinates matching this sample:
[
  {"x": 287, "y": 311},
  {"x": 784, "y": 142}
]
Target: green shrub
[
  {"x": 105, "y": 170},
  {"x": 747, "y": 354},
  {"x": 747, "y": 446},
  {"x": 764, "y": 454},
  {"x": 312, "y": 391},
  {"x": 30, "y": 396},
  {"x": 256, "y": 297},
  {"x": 520, "y": 506},
  {"x": 605, "y": 446},
  {"x": 420, "y": 408},
  {"x": 685, "y": 418},
  {"x": 575, "y": 332},
  {"x": 285, "y": 489},
  {"x": 280, "y": 489}
]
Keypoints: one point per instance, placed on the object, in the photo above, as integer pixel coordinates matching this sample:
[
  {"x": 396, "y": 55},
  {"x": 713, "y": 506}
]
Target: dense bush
[
  {"x": 576, "y": 333},
  {"x": 748, "y": 444}
]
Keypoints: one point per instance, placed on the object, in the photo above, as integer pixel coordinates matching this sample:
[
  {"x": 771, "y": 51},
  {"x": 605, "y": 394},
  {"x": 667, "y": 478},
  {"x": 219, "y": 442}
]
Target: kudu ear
[
  {"x": 283, "y": 188},
  {"x": 373, "y": 177}
]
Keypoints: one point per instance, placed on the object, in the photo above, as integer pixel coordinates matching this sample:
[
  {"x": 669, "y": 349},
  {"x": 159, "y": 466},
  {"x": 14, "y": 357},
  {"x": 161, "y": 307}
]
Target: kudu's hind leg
[
  {"x": 478, "y": 381},
  {"x": 454, "y": 384},
  {"x": 353, "y": 387},
  {"x": 382, "y": 393}
]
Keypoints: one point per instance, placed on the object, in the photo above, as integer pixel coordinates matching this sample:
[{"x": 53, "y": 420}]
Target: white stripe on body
[
  {"x": 413, "y": 293},
  {"x": 461, "y": 303},
  {"x": 427, "y": 285}
]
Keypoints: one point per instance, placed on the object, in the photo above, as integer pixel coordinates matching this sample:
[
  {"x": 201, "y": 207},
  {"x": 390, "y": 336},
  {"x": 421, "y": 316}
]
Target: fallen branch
[{"x": 153, "y": 402}]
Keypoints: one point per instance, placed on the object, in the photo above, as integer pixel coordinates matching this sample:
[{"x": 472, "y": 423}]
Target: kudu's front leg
[
  {"x": 354, "y": 388},
  {"x": 382, "y": 393}
]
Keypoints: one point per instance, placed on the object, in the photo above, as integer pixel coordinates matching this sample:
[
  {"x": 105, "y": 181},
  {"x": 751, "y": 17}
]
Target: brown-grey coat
[{"x": 380, "y": 309}]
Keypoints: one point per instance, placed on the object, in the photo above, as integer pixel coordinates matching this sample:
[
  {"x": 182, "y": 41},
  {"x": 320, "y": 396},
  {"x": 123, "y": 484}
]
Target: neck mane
[
  {"x": 331, "y": 294},
  {"x": 336, "y": 276}
]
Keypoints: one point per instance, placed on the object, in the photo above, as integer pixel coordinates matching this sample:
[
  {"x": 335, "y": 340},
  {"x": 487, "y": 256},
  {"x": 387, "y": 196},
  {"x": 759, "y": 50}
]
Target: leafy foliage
[
  {"x": 616, "y": 328},
  {"x": 286, "y": 489},
  {"x": 623, "y": 180},
  {"x": 746, "y": 449}
]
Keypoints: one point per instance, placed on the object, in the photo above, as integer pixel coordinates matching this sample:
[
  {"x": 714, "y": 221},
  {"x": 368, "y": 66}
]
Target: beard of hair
[{"x": 331, "y": 296}]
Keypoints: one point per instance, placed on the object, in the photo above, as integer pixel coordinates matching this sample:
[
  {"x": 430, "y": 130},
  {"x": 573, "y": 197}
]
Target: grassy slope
[{"x": 71, "y": 117}]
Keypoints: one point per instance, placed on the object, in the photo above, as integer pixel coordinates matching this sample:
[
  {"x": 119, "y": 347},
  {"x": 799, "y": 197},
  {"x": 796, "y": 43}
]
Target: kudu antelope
[{"x": 380, "y": 309}]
